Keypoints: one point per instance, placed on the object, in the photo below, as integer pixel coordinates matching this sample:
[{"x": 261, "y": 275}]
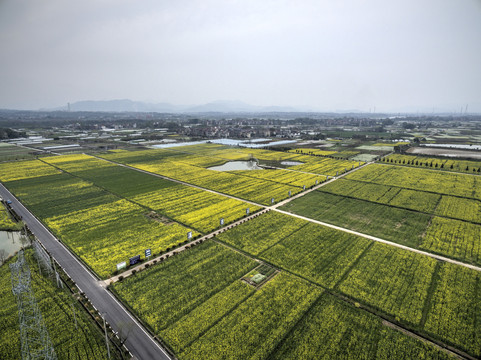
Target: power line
[{"x": 34, "y": 339}]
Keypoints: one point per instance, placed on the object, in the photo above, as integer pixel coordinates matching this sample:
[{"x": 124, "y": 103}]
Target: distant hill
[{"x": 126, "y": 105}]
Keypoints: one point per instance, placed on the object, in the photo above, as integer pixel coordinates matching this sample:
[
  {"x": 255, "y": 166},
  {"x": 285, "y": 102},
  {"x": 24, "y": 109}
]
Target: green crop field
[
  {"x": 455, "y": 312},
  {"x": 275, "y": 286},
  {"x": 101, "y": 228},
  {"x": 344, "y": 332},
  {"x": 398, "y": 225},
  {"x": 187, "y": 205},
  {"x": 439, "y": 182},
  {"x": 317, "y": 253},
  {"x": 392, "y": 280}
]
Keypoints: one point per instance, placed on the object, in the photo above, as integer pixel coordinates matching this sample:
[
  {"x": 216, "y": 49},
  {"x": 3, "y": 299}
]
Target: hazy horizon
[{"x": 320, "y": 55}]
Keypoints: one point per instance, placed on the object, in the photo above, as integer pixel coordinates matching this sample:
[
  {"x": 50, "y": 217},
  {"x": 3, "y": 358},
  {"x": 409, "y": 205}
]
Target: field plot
[
  {"x": 258, "y": 324},
  {"x": 392, "y": 280},
  {"x": 70, "y": 342},
  {"x": 334, "y": 330},
  {"x": 293, "y": 178},
  {"x": 58, "y": 194},
  {"x": 441, "y": 182},
  {"x": 25, "y": 170},
  {"x": 454, "y": 238},
  {"x": 466, "y": 166},
  {"x": 249, "y": 188},
  {"x": 324, "y": 166},
  {"x": 398, "y": 225},
  {"x": 197, "y": 303},
  {"x": 101, "y": 228},
  {"x": 312, "y": 151},
  {"x": 6, "y": 222},
  {"x": 455, "y": 313},
  {"x": 166, "y": 293},
  {"x": 10, "y": 152},
  {"x": 259, "y": 186},
  {"x": 108, "y": 234},
  {"x": 460, "y": 208},
  {"x": 384, "y": 194},
  {"x": 317, "y": 253},
  {"x": 193, "y": 207},
  {"x": 262, "y": 232}
]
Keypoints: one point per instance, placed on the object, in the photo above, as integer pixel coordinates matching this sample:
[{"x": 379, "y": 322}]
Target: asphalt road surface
[{"x": 139, "y": 342}]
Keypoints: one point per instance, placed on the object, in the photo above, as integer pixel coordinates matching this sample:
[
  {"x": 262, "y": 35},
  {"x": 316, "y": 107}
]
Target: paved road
[{"x": 139, "y": 342}]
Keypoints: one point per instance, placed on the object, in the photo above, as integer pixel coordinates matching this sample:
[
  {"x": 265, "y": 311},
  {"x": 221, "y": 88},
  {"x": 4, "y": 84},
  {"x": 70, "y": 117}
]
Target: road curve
[{"x": 139, "y": 342}]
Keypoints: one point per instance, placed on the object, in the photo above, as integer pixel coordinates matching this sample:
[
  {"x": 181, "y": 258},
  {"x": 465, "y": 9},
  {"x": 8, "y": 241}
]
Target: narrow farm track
[
  {"x": 177, "y": 250},
  {"x": 435, "y": 256},
  {"x": 281, "y": 203},
  {"x": 178, "y": 181},
  {"x": 139, "y": 342}
]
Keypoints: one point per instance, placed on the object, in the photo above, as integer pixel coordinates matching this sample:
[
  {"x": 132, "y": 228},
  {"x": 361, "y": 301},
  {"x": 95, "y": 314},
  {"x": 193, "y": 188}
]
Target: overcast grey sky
[{"x": 325, "y": 54}]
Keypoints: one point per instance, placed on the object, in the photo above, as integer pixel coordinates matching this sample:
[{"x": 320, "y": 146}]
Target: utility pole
[{"x": 106, "y": 338}]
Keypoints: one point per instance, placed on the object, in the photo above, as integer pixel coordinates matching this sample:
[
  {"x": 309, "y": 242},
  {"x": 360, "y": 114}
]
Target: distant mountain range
[{"x": 125, "y": 105}]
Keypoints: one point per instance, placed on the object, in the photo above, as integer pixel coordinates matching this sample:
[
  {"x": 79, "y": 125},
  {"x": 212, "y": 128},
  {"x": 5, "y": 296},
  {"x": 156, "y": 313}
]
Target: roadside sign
[
  {"x": 317, "y": 182},
  {"x": 272, "y": 200},
  {"x": 121, "y": 265},
  {"x": 290, "y": 193},
  {"x": 134, "y": 260},
  {"x": 189, "y": 235},
  {"x": 221, "y": 221},
  {"x": 148, "y": 253},
  {"x": 247, "y": 211},
  {"x": 303, "y": 187}
]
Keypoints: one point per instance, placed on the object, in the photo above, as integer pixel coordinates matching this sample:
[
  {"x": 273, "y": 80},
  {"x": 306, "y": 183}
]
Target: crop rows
[
  {"x": 393, "y": 280},
  {"x": 198, "y": 305},
  {"x": 258, "y": 190},
  {"x": 193, "y": 207},
  {"x": 258, "y": 186},
  {"x": 446, "y": 183},
  {"x": 318, "y": 253},
  {"x": 10, "y": 152},
  {"x": 293, "y": 178},
  {"x": 334, "y": 330},
  {"x": 108, "y": 234},
  {"x": 399, "y": 225},
  {"x": 101, "y": 228},
  {"x": 455, "y": 313},
  {"x": 214, "y": 314},
  {"x": 324, "y": 166},
  {"x": 384, "y": 194},
  {"x": 454, "y": 238},
  {"x": 262, "y": 232},
  {"x": 24, "y": 170}
]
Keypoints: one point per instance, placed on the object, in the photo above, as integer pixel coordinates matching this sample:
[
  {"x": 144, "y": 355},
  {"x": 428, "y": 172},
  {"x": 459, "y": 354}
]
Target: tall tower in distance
[{"x": 68, "y": 107}]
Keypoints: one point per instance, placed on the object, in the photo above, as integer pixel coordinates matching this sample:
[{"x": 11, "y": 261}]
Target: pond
[
  {"x": 10, "y": 242},
  {"x": 291, "y": 163},
  {"x": 237, "y": 165}
]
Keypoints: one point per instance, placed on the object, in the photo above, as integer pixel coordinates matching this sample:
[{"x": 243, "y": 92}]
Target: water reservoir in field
[
  {"x": 291, "y": 163},
  {"x": 10, "y": 242},
  {"x": 237, "y": 165}
]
